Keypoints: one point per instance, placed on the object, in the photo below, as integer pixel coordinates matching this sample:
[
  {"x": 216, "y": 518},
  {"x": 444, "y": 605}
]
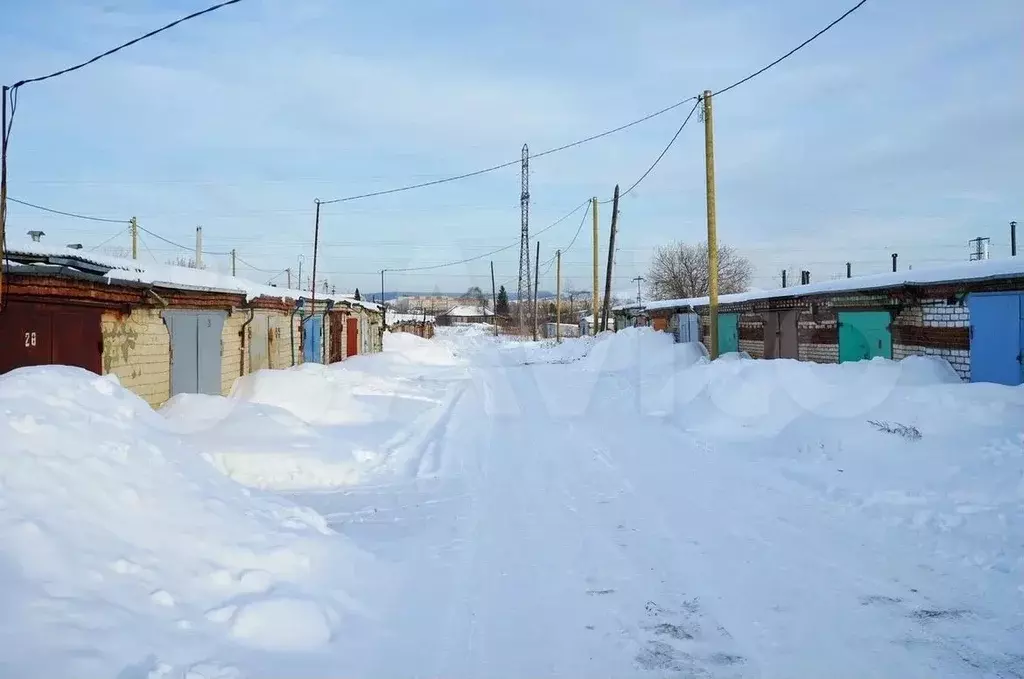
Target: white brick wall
[
  {"x": 753, "y": 347},
  {"x": 938, "y": 314},
  {"x": 819, "y": 353}
]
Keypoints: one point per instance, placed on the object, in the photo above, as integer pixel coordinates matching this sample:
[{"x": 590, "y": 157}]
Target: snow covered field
[{"x": 473, "y": 507}]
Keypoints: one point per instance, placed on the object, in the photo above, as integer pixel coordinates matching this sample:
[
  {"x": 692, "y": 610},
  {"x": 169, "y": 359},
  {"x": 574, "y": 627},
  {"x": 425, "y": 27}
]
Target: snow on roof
[
  {"x": 396, "y": 317},
  {"x": 965, "y": 271},
  {"x": 166, "y": 275},
  {"x": 463, "y": 310}
]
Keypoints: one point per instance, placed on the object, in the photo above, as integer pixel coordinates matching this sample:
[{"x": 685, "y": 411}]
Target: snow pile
[
  {"x": 641, "y": 349},
  {"x": 123, "y": 550},
  {"x": 316, "y": 426}
]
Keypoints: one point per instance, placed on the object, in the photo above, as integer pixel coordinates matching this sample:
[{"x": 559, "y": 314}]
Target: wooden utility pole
[
  {"x": 233, "y": 257},
  {"x": 494, "y": 300},
  {"x": 558, "y": 295},
  {"x": 709, "y": 165},
  {"x": 594, "y": 303},
  {"x": 3, "y": 189},
  {"x": 611, "y": 258},
  {"x": 135, "y": 238},
  {"x": 536, "y": 282},
  {"x": 316, "y": 244}
]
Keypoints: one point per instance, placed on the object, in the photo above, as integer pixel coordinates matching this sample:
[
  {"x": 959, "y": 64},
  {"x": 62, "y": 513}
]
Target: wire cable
[
  {"x": 97, "y": 247},
  {"x": 155, "y": 260},
  {"x": 517, "y": 161},
  {"x": 256, "y": 268},
  {"x": 487, "y": 254},
  {"x": 68, "y": 214},
  {"x": 178, "y": 245},
  {"x": 96, "y": 58},
  {"x": 793, "y": 51},
  {"x": 660, "y": 155}
]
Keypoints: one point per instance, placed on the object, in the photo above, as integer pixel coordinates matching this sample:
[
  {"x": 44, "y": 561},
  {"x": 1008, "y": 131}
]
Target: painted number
[{"x": 30, "y": 339}]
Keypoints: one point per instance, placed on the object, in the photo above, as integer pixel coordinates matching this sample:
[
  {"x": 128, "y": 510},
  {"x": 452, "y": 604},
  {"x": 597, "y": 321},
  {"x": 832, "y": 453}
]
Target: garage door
[
  {"x": 997, "y": 338},
  {"x": 49, "y": 334},
  {"x": 312, "y": 340},
  {"x": 780, "y": 334},
  {"x": 195, "y": 351},
  {"x": 728, "y": 333},
  {"x": 864, "y": 335}
]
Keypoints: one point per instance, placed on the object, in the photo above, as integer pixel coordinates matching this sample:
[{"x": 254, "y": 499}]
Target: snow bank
[
  {"x": 123, "y": 551},
  {"x": 641, "y": 348}
]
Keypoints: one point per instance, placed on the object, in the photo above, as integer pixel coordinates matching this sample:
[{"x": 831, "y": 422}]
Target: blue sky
[{"x": 900, "y": 130}]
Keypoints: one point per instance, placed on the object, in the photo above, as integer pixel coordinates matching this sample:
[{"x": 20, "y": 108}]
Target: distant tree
[
  {"x": 501, "y": 308},
  {"x": 357, "y": 296},
  {"x": 476, "y": 296},
  {"x": 680, "y": 270},
  {"x": 187, "y": 262}
]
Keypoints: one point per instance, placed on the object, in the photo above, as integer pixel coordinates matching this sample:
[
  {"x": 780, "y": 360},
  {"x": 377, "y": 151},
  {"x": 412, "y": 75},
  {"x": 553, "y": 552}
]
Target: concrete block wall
[{"x": 137, "y": 348}]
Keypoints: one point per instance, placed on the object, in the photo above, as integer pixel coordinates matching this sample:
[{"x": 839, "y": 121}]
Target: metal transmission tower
[{"x": 524, "y": 245}]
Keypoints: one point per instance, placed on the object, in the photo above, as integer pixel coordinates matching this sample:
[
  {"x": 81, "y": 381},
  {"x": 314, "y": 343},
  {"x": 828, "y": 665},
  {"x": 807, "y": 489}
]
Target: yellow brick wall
[
  {"x": 136, "y": 348},
  {"x": 280, "y": 342},
  {"x": 231, "y": 349}
]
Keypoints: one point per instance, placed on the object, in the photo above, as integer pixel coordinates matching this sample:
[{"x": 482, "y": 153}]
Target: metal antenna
[{"x": 524, "y": 245}]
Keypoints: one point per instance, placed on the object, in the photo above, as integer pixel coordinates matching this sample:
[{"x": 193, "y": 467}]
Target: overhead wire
[
  {"x": 97, "y": 247},
  {"x": 75, "y": 215},
  {"x": 256, "y": 268},
  {"x": 141, "y": 240},
  {"x": 122, "y": 46},
  {"x": 178, "y": 245},
  {"x": 486, "y": 254}
]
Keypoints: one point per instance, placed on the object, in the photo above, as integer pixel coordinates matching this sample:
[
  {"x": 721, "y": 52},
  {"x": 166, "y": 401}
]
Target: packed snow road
[{"x": 609, "y": 508}]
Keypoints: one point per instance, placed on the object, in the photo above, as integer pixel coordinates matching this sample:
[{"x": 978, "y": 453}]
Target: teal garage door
[
  {"x": 864, "y": 335},
  {"x": 728, "y": 333}
]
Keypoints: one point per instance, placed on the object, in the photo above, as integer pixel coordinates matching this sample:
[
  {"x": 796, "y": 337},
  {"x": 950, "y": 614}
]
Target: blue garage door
[
  {"x": 997, "y": 337},
  {"x": 312, "y": 339}
]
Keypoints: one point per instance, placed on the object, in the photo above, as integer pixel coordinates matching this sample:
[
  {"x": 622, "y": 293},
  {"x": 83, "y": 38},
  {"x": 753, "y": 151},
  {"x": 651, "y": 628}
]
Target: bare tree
[
  {"x": 680, "y": 271},
  {"x": 187, "y": 262},
  {"x": 117, "y": 251}
]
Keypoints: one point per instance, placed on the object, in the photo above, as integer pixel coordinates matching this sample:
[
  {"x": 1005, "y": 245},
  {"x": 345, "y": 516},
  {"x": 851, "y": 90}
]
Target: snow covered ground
[{"x": 470, "y": 506}]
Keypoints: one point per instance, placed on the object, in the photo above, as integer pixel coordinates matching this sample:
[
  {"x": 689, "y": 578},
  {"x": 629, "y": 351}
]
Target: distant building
[
  {"x": 587, "y": 324},
  {"x": 464, "y": 314}
]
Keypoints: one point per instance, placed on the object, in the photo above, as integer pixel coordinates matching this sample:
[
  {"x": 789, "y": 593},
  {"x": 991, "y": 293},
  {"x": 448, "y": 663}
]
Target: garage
[
  {"x": 33, "y": 333},
  {"x": 728, "y": 333},
  {"x": 195, "y": 338}
]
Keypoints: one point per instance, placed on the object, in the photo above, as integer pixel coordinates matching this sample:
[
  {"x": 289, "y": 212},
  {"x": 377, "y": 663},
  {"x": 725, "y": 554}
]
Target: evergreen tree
[
  {"x": 357, "y": 294},
  {"x": 501, "y": 308}
]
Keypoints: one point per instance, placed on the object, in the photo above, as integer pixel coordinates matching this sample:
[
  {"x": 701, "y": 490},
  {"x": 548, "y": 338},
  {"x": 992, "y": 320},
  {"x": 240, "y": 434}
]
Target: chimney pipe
[
  {"x": 1013, "y": 239},
  {"x": 848, "y": 270},
  {"x": 894, "y": 256}
]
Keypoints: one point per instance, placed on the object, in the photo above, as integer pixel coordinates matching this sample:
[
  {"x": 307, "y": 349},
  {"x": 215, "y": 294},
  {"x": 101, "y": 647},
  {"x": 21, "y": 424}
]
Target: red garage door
[{"x": 50, "y": 334}]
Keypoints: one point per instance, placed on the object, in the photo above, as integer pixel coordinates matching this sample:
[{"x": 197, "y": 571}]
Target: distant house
[
  {"x": 463, "y": 314},
  {"x": 587, "y": 324}
]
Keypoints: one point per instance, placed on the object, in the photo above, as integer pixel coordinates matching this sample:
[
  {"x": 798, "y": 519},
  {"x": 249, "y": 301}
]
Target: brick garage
[{"x": 922, "y": 313}]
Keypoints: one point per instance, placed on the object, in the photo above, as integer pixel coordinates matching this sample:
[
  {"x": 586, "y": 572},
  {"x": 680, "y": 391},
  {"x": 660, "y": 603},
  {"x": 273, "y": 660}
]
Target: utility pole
[
  {"x": 494, "y": 301},
  {"x": 611, "y": 259},
  {"x": 289, "y": 272},
  {"x": 233, "y": 262},
  {"x": 382, "y": 286},
  {"x": 638, "y": 280},
  {"x": 316, "y": 244},
  {"x": 3, "y": 188},
  {"x": 709, "y": 165},
  {"x": 1013, "y": 239},
  {"x": 536, "y": 284},
  {"x": 199, "y": 247},
  {"x": 135, "y": 238},
  {"x": 558, "y": 295},
  {"x": 593, "y": 209}
]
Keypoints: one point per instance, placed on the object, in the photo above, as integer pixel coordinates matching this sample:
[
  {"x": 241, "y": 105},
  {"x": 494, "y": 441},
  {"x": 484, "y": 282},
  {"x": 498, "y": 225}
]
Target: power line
[
  {"x": 124, "y": 45},
  {"x": 67, "y": 214},
  {"x": 660, "y": 155},
  {"x": 510, "y": 163},
  {"x": 486, "y": 254},
  {"x": 97, "y": 247},
  {"x": 155, "y": 261},
  {"x": 256, "y": 268},
  {"x": 178, "y": 245},
  {"x": 793, "y": 51}
]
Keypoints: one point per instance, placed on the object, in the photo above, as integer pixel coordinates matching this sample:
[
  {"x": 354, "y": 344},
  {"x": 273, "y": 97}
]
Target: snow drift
[{"x": 121, "y": 545}]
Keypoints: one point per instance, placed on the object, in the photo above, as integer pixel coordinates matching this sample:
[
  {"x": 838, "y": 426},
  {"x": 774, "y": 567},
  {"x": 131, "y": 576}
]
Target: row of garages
[
  {"x": 972, "y": 316},
  {"x": 166, "y": 338}
]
